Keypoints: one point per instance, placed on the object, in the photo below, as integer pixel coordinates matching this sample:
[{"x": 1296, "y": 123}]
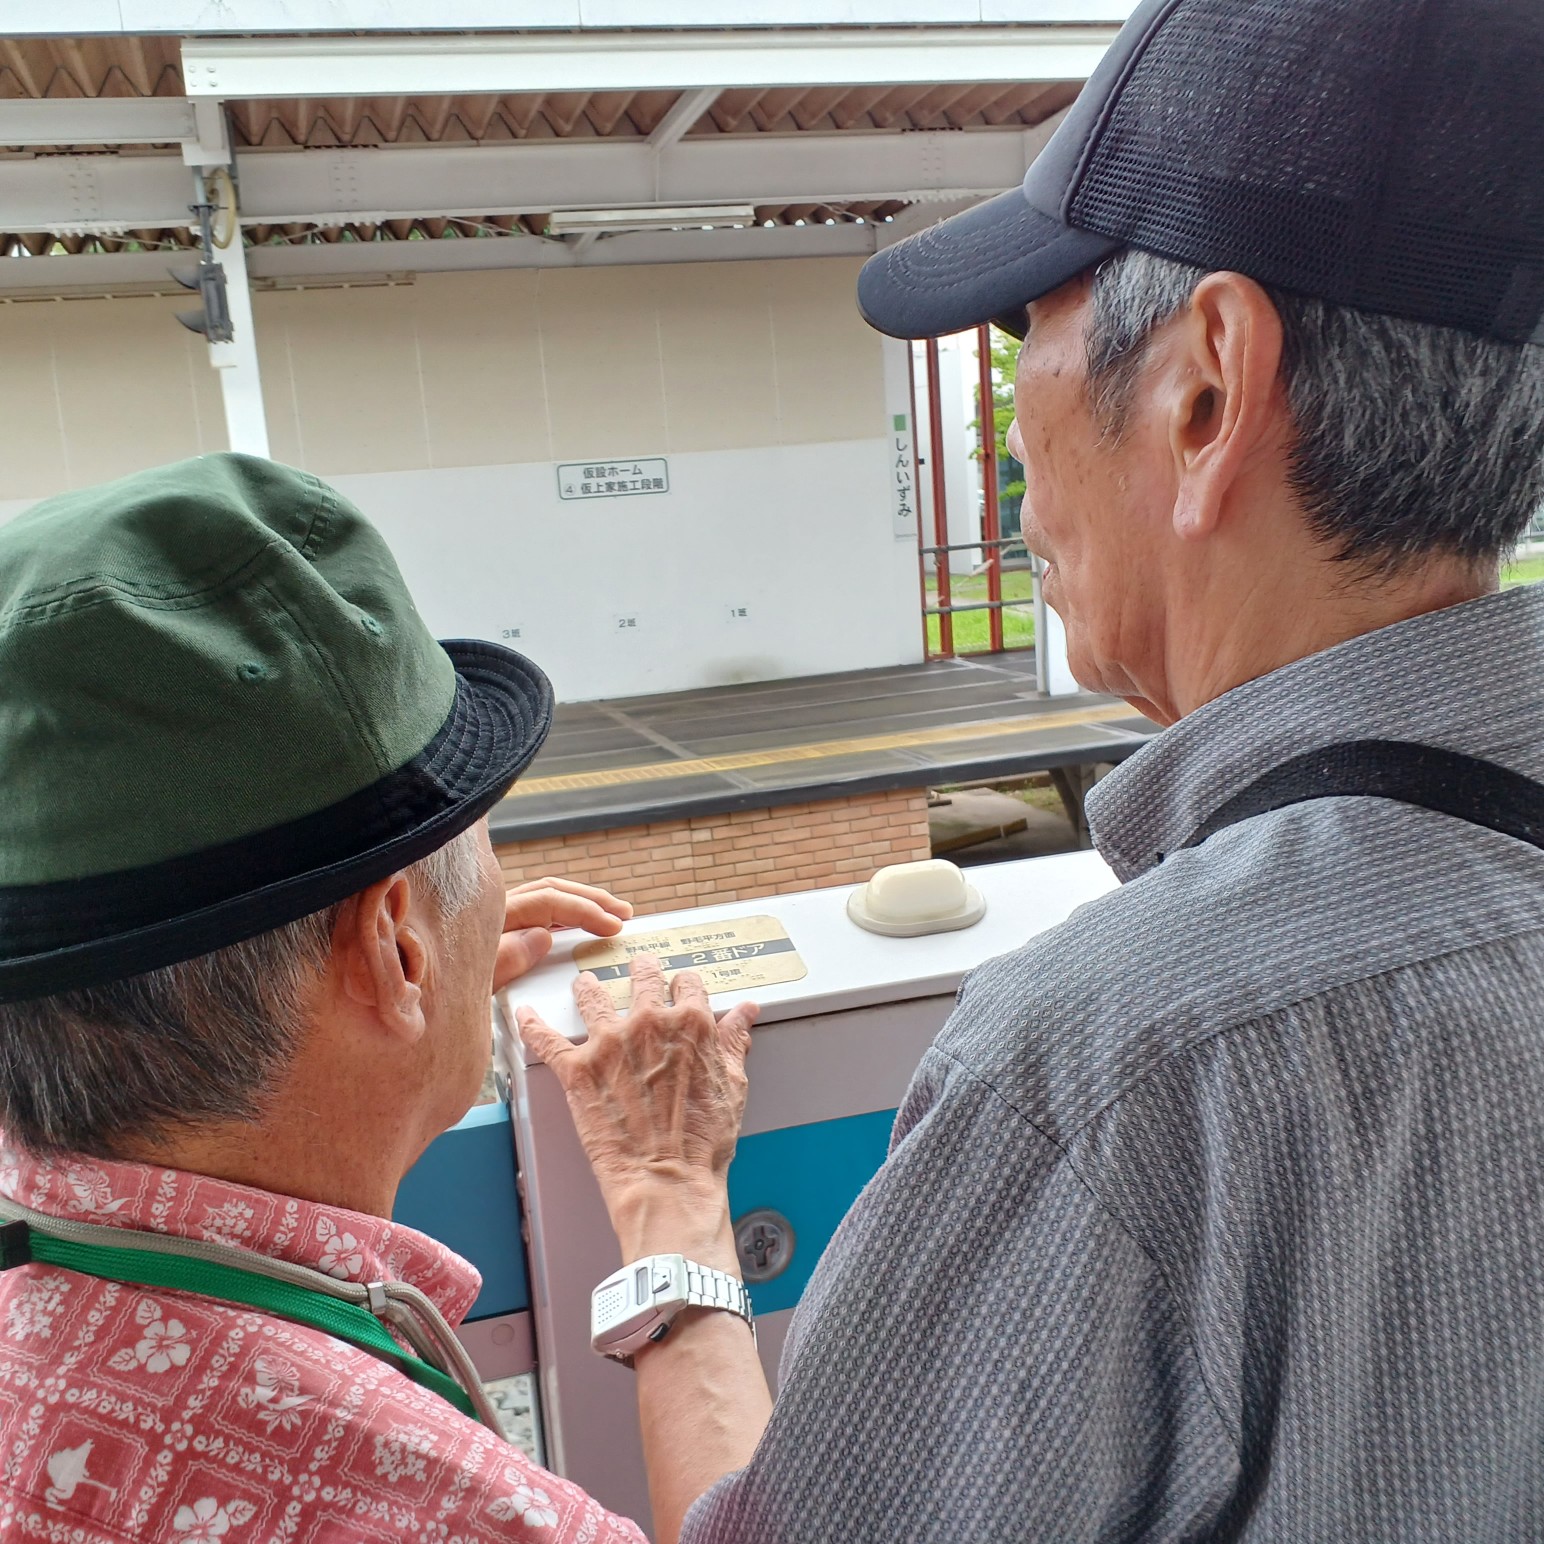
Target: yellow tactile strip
[{"x": 817, "y": 750}]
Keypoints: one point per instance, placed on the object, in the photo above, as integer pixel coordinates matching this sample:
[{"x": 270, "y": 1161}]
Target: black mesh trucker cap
[{"x": 1386, "y": 155}]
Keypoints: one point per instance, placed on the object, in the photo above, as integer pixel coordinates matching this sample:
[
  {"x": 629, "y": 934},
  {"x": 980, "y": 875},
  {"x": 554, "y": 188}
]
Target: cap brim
[
  {"x": 82, "y": 932},
  {"x": 984, "y": 265}
]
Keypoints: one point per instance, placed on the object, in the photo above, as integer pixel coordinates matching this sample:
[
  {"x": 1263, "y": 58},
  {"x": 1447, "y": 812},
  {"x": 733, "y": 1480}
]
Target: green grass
[
  {"x": 1524, "y": 571},
  {"x": 1042, "y": 798},
  {"x": 971, "y": 635}
]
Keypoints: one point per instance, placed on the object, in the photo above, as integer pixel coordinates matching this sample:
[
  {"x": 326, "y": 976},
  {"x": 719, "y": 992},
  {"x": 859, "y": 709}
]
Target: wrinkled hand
[
  {"x": 534, "y": 909},
  {"x": 656, "y": 1094}
]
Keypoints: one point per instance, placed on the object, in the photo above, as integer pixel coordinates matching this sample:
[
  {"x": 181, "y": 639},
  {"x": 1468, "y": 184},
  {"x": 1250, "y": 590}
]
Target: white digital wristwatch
[{"x": 640, "y": 1302}]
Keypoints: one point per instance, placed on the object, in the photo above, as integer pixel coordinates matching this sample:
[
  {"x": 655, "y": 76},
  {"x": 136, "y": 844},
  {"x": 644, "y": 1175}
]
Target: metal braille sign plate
[{"x": 737, "y": 954}]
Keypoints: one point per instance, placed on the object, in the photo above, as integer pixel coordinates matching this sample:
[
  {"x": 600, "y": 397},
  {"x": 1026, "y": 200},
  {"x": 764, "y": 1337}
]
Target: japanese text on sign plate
[
  {"x": 732, "y": 955},
  {"x": 612, "y": 479},
  {"x": 905, "y": 503}
]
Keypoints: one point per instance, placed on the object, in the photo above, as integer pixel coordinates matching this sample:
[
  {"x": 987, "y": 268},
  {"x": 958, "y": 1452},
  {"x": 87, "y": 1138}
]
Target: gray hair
[
  {"x": 90, "y": 1070},
  {"x": 1410, "y": 440}
]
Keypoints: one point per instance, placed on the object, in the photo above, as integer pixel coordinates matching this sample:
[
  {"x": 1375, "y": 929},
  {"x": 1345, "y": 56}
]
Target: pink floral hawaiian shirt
[{"x": 129, "y": 1414}]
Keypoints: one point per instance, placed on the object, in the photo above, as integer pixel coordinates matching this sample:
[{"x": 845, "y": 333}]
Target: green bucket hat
[{"x": 220, "y": 711}]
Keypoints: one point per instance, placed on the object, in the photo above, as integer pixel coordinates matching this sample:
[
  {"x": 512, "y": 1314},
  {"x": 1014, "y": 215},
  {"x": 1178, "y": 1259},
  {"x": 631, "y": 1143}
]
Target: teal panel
[
  {"x": 812, "y": 1175},
  {"x": 462, "y": 1192}
]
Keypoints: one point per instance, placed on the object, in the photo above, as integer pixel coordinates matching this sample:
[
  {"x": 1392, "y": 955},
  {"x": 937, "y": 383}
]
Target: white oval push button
[{"x": 907, "y": 900}]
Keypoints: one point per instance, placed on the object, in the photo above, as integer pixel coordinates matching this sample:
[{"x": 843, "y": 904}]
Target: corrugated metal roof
[
  {"x": 348, "y": 121},
  {"x": 90, "y": 67}
]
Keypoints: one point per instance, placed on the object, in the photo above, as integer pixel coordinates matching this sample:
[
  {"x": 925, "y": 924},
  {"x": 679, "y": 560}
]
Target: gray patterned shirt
[{"x": 1217, "y": 1212}]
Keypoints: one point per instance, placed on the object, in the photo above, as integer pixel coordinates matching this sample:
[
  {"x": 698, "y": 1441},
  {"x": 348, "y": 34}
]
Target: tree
[{"x": 1005, "y": 353}]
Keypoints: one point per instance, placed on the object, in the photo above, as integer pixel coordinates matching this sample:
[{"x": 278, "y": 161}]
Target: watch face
[{"x": 638, "y": 1302}]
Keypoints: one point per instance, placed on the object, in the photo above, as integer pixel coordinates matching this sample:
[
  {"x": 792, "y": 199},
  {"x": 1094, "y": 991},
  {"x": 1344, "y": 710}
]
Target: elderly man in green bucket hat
[{"x": 249, "y": 924}]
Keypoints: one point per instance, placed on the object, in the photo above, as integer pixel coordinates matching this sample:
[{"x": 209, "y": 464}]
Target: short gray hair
[
  {"x": 1410, "y": 440},
  {"x": 91, "y": 1070}
]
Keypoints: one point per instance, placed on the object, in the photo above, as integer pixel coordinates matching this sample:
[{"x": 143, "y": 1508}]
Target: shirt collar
[
  {"x": 350, "y": 1246},
  {"x": 1448, "y": 678}
]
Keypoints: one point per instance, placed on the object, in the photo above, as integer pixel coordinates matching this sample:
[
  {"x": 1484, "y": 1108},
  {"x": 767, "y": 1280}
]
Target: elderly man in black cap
[{"x": 1215, "y": 1213}]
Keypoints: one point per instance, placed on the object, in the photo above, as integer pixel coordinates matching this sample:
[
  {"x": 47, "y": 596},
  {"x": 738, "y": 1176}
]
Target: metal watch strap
[{"x": 708, "y": 1288}]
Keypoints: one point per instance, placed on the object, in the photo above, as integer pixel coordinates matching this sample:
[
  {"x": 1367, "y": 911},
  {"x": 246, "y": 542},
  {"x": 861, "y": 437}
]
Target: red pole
[
  {"x": 935, "y": 425},
  {"x": 911, "y": 387},
  {"x": 992, "y": 526}
]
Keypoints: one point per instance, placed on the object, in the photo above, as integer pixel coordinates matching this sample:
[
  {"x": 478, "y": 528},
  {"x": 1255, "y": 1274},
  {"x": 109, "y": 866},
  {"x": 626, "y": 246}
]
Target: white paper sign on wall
[
  {"x": 903, "y": 480},
  {"x": 613, "y": 479}
]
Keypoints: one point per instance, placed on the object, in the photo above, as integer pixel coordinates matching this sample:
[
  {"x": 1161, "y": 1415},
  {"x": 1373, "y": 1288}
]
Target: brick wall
[{"x": 673, "y": 864}]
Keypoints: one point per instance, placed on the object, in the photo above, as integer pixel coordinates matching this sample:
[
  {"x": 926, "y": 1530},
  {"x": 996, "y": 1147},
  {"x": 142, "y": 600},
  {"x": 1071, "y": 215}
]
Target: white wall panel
[
  {"x": 443, "y": 407},
  {"x": 798, "y": 535},
  {"x": 96, "y": 388}
]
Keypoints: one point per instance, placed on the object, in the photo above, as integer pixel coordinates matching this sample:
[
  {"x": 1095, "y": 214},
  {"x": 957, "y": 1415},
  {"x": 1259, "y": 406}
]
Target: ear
[
  {"x": 1227, "y": 406},
  {"x": 383, "y": 956}
]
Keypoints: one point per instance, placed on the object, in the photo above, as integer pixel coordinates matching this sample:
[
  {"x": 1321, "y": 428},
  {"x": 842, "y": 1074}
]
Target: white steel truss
[
  {"x": 312, "y": 66},
  {"x": 111, "y": 194},
  {"x": 689, "y": 107},
  {"x": 28, "y": 121},
  {"x": 370, "y": 261},
  {"x": 28, "y": 18},
  {"x": 199, "y": 127}
]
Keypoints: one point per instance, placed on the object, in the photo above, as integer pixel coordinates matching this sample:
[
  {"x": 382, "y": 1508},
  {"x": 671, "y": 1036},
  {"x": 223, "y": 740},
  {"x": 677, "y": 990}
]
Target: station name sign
[{"x": 612, "y": 479}]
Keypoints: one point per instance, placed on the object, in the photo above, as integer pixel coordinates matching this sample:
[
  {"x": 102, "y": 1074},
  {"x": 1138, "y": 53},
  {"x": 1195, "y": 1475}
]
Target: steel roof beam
[
  {"x": 923, "y": 212},
  {"x": 72, "y": 194},
  {"x": 137, "y": 272},
  {"x": 546, "y": 175},
  {"x": 239, "y": 69},
  {"x": 199, "y": 127},
  {"x": 688, "y": 108},
  {"x": 95, "y": 121},
  {"x": 109, "y": 193}
]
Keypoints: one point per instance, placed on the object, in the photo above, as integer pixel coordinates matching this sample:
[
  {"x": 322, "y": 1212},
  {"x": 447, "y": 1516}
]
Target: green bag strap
[{"x": 230, "y": 1284}]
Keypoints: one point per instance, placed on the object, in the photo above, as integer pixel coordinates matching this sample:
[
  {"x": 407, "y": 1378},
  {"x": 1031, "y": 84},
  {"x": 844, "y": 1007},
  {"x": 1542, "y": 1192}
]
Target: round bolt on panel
[{"x": 764, "y": 1240}]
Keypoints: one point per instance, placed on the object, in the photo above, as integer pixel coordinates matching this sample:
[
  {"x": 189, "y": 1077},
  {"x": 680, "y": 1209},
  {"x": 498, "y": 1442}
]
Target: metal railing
[
  {"x": 979, "y": 605},
  {"x": 992, "y": 540}
]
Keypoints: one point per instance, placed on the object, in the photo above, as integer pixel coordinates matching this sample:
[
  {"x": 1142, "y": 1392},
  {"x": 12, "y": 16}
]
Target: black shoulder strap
[{"x": 1446, "y": 781}]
